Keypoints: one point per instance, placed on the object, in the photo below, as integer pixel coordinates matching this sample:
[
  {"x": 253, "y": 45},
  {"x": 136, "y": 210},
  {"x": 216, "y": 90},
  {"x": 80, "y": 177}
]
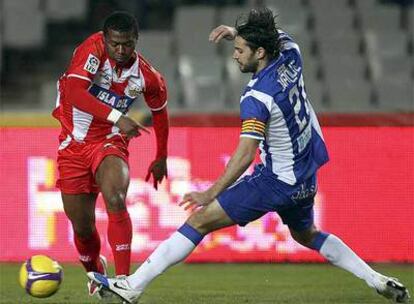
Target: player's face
[
  {"x": 120, "y": 45},
  {"x": 245, "y": 56}
]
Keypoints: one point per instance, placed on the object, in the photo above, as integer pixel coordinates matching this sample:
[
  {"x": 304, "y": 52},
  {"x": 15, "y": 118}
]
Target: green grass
[{"x": 226, "y": 284}]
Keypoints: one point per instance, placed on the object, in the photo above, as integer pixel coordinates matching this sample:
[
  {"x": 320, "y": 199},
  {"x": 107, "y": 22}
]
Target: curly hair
[
  {"x": 121, "y": 22},
  {"x": 259, "y": 29}
]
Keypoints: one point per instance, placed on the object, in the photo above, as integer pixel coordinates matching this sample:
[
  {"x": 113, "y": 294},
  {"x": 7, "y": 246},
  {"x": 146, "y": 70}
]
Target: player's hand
[
  {"x": 222, "y": 31},
  {"x": 196, "y": 199},
  {"x": 158, "y": 170},
  {"x": 130, "y": 127}
]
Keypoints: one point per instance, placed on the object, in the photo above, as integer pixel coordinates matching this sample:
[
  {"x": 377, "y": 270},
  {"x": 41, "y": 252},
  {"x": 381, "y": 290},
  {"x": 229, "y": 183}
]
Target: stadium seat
[
  {"x": 315, "y": 92},
  {"x": 326, "y": 6},
  {"x": 291, "y": 15},
  {"x": 341, "y": 18},
  {"x": 395, "y": 94},
  {"x": 1, "y": 47},
  {"x": 350, "y": 95},
  {"x": 347, "y": 43},
  {"x": 362, "y": 5},
  {"x": 28, "y": 34},
  {"x": 194, "y": 41},
  {"x": 347, "y": 87},
  {"x": 410, "y": 29},
  {"x": 392, "y": 43},
  {"x": 156, "y": 47},
  {"x": 388, "y": 55},
  {"x": 199, "y": 65},
  {"x": 62, "y": 10},
  {"x": 381, "y": 19},
  {"x": 202, "y": 82}
]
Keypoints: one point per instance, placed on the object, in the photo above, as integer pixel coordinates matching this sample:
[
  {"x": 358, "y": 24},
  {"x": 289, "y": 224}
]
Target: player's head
[
  {"x": 256, "y": 41},
  {"x": 121, "y": 35}
]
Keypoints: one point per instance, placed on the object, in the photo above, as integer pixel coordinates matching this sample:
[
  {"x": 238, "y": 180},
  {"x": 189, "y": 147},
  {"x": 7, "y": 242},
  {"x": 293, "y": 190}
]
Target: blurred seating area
[{"x": 358, "y": 54}]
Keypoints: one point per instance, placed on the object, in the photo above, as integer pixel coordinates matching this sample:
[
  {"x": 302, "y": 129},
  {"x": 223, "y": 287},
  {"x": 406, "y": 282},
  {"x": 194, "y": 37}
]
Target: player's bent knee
[
  {"x": 306, "y": 237},
  {"x": 115, "y": 201},
  {"x": 198, "y": 225},
  {"x": 198, "y": 222}
]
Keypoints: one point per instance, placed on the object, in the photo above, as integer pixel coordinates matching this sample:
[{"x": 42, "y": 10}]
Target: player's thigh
[
  {"x": 112, "y": 178},
  {"x": 113, "y": 172},
  {"x": 80, "y": 209},
  {"x": 299, "y": 218},
  {"x": 110, "y": 165},
  {"x": 298, "y": 213},
  {"x": 75, "y": 175},
  {"x": 209, "y": 218},
  {"x": 246, "y": 201}
]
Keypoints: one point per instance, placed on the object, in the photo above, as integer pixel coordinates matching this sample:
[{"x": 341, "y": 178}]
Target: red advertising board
[{"x": 366, "y": 196}]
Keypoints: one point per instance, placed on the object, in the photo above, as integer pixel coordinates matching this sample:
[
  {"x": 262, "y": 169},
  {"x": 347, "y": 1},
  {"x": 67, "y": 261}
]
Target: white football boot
[
  {"x": 394, "y": 290},
  {"x": 118, "y": 286},
  {"x": 96, "y": 289}
]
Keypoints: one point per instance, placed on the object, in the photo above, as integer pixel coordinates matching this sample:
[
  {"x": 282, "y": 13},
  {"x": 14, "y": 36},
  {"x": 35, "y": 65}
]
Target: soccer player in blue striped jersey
[{"x": 278, "y": 118}]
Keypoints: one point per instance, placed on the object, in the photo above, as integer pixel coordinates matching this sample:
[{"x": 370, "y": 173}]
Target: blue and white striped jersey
[{"x": 275, "y": 109}]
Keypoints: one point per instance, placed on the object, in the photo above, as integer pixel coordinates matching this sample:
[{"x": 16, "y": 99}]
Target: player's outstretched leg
[
  {"x": 170, "y": 252},
  {"x": 340, "y": 255}
]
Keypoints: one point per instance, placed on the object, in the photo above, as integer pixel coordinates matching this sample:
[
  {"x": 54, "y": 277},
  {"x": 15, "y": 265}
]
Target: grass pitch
[{"x": 225, "y": 284}]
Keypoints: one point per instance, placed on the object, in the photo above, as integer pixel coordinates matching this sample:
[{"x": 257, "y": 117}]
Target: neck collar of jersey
[
  {"x": 127, "y": 65},
  {"x": 269, "y": 66}
]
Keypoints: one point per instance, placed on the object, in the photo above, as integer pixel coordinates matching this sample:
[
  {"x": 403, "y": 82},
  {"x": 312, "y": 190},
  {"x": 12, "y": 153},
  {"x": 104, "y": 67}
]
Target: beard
[{"x": 249, "y": 67}]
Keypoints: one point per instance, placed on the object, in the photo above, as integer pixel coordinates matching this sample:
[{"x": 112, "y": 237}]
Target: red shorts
[{"x": 78, "y": 162}]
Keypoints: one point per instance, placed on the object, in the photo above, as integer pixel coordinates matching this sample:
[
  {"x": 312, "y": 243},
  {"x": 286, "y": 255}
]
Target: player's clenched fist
[{"x": 130, "y": 127}]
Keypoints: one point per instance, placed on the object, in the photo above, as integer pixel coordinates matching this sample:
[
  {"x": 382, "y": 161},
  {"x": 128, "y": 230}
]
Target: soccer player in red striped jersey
[{"x": 105, "y": 77}]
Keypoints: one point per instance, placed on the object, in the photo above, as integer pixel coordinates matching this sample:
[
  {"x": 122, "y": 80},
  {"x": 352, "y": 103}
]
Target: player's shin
[
  {"x": 340, "y": 255},
  {"x": 170, "y": 252},
  {"x": 88, "y": 249},
  {"x": 120, "y": 237}
]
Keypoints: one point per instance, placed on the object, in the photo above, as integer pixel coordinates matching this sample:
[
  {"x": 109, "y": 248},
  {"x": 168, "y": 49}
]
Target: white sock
[
  {"x": 339, "y": 254},
  {"x": 170, "y": 252}
]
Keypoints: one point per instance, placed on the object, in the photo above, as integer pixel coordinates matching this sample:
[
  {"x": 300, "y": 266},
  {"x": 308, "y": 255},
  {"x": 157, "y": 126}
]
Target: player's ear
[{"x": 260, "y": 53}]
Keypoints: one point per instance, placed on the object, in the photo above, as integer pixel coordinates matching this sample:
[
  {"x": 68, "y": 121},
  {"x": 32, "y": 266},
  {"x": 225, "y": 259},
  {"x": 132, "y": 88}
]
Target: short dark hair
[
  {"x": 259, "y": 29},
  {"x": 121, "y": 22}
]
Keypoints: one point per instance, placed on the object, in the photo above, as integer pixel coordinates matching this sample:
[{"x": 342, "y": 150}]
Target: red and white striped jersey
[{"x": 117, "y": 88}]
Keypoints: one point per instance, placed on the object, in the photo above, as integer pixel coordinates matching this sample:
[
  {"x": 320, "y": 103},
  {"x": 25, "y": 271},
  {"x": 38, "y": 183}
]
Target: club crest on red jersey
[{"x": 91, "y": 64}]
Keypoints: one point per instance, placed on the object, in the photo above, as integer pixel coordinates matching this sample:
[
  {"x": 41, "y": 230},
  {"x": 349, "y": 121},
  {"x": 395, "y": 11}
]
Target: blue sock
[
  {"x": 319, "y": 240},
  {"x": 191, "y": 234}
]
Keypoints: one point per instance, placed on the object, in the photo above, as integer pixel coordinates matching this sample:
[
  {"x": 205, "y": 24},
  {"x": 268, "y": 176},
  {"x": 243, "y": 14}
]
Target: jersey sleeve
[
  {"x": 77, "y": 94},
  {"x": 254, "y": 115},
  {"x": 86, "y": 60},
  {"x": 155, "y": 92}
]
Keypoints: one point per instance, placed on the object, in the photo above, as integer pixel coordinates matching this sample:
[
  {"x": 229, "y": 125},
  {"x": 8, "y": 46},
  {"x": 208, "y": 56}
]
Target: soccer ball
[{"x": 40, "y": 276}]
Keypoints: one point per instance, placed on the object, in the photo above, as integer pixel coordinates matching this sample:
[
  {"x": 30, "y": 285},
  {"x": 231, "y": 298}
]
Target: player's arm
[
  {"x": 78, "y": 95},
  {"x": 155, "y": 95},
  {"x": 158, "y": 168},
  {"x": 238, "y": 164},
  {"x": 222, "y": 31},
  {"x": 254, "y": 113}
]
